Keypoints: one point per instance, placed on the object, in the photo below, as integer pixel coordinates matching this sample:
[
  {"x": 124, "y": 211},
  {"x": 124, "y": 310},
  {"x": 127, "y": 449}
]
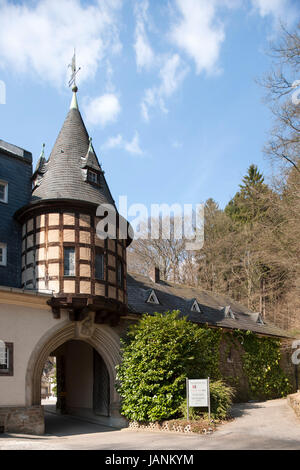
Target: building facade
[
  {"x": 15, "y": 192},
  {"x": 64, "y": 287}
]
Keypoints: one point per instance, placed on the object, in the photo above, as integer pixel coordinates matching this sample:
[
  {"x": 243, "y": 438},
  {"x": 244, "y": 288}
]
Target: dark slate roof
[
  {"x": 180, "y": 297},
  {"x": 15, "y": 151},
  {"x": 65, "y": 177}
]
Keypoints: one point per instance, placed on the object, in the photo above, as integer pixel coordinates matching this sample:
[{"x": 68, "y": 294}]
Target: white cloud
[
  {"x": 198, "y": 33},
  {"x": 102, "y": 110},
  {"x": 38, "y": 38},
  {"x": 280, "y": 10},
  {"x": 144, "y": 54},
  {"x": 171, "y": 76},
  {"x": 132, "y": 146},
  {"x": 267, "y": 7}
]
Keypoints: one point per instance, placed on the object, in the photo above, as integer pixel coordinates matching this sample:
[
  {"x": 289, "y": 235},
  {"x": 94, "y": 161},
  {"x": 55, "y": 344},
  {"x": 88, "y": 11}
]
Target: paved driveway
[{"x": 268, "y": 425}]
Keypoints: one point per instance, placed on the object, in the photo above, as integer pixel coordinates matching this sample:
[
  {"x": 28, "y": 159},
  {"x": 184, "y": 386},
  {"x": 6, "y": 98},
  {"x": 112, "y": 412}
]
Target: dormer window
[
  {"x": 152, "y": 298},
  {"x": 195, "y": 307},
  {"x": 229, "y": 313},
  {"x": 260, "y": 320},
  {"x": 3, "y": 192},
  {"x": 93, "y": 177}
]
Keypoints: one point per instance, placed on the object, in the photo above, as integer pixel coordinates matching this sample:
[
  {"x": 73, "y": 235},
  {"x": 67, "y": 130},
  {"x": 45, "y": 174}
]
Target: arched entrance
[
  {"x": 83, "y": 386},
  {"x": 99, "y": 345}
]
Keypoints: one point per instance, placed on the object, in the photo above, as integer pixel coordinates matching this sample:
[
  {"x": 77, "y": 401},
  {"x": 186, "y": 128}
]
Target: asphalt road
[{"x": 268, "y": 425}]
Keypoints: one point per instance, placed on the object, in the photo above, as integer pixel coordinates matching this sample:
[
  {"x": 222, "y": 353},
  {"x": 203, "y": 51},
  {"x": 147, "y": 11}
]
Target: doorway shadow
[{"x": 68, "y": 425}]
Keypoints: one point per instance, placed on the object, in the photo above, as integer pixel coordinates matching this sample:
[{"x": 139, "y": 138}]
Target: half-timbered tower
[{"x": 62, "y": 253}]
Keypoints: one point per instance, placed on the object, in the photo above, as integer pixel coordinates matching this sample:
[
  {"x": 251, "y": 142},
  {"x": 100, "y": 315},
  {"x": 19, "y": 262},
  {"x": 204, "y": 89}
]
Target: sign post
[{"x": 198, "y": 394}]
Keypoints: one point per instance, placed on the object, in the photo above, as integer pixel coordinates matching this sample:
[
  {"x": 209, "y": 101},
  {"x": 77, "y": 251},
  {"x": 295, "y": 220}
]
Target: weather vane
[{"x": 72, "y": 80}]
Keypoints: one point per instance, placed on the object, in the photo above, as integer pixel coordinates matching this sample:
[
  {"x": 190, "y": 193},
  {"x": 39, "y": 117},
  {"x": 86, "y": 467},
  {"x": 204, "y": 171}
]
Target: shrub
[
  {"x": 160, "y": 351},
  {"x": 221, "y": 396}
]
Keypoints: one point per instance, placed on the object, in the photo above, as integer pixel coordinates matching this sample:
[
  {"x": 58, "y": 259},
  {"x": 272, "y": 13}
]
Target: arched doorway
[
  {"x": 83, "y": 386},
  {"x": 97, "y": 349}
]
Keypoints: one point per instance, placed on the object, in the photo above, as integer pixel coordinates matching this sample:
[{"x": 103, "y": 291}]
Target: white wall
[{"x": 23, "y": 326}]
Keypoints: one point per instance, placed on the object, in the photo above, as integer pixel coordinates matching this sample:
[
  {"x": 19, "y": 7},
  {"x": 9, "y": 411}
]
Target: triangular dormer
[
  {"x": 152, "y": 298},
  {"x": 90, "y": 166},
  {"x": 40, "y": 169},
  {"x": 259, "y": 319},
  {"x": 195, "y": 306},
  {"x": 228, "y": 312}
]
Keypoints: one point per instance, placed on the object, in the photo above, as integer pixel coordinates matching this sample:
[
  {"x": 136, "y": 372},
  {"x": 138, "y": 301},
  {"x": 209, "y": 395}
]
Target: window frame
[
  {"x": 73, "y": 274},
  {"x": 195, "y": 307},
  {"x": 5, "y": 184},
  {"x": 95, "y": 175},
  {"x": 99, "y": 253},
  {"x": 3, "y": 246},
  {"x": 153, "y": 296},
  {"x": 9, "y": 372},
  {"x": 120, "y": 274}
]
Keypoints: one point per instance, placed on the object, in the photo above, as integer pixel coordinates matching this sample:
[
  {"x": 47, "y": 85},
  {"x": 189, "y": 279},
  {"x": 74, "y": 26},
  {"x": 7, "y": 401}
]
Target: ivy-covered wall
[{"x": 257, "y": 367}]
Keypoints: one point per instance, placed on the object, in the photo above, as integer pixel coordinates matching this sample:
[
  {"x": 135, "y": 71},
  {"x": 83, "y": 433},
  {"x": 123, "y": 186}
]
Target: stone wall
[
  {"x": 231, "y": 368},
  {"x": 294, "y": 402},
  {"x": 286, "y": 364},
  {"x": 22, "y": 420}
]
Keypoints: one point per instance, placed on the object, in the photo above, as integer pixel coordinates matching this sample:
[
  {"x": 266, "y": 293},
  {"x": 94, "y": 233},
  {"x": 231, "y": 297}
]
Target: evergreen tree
[{"x": 250, "y": 203}]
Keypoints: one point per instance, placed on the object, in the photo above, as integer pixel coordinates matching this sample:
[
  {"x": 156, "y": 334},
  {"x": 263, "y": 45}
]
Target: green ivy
[{"x": 261, "y": 364}]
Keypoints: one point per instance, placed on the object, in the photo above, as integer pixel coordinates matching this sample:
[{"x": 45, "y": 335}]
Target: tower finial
[{"x": 72, "y": 80}]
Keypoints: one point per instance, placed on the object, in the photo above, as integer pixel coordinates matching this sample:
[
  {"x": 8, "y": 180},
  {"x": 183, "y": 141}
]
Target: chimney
[{"x": 154, "y": 274}]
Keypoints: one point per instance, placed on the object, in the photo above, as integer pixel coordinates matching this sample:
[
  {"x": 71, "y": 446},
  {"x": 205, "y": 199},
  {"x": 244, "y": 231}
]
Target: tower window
[
  {"x": 93, "y": 177},
  {"x": 120, "y": 274},
  {"x": 69, "y": 261},
  {"x": 3, "y": 191},
  {"x": 99, "y": 266},
  {"x": 3, "y": 254}
]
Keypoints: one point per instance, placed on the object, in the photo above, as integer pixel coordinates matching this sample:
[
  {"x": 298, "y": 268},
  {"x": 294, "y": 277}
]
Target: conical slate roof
[{"x": 66, "y": 173}]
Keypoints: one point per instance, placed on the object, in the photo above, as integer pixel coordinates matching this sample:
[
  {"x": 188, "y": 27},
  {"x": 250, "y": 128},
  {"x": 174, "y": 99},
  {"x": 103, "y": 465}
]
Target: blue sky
[{"x": 166, "y": 88}]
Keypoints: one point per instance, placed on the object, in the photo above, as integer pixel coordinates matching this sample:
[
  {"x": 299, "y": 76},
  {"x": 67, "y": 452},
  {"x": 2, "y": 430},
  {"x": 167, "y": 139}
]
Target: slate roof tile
[
  {"x": 178, "y": 297},
  {"x": 63, "y": 177}
]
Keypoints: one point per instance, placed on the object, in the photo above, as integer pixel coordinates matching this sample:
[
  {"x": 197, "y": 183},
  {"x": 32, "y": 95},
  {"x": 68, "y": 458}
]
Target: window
[
  {"x": 120, "y": 274},
  {"x": 93, "y": 177},
  {"x": 228, "y": 312},
  {"x": 195, "y": 307},
  {"x": 3, "y": 191},
  {"x": 6, "y": 360},
  {"x": 3, "y": 254},
  {"x": 152, "y": 298},
  {"x": 69, "y": 261},
  {"x": 259, "y": 320},
  {"x": 99, "y": 266}
]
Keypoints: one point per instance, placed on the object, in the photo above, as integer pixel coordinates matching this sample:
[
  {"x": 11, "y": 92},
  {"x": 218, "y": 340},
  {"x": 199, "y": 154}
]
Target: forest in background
[{"x": 251, "y": 249}]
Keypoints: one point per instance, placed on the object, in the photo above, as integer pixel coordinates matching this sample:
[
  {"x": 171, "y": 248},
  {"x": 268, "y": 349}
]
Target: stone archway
[{"x": 102, "y": 338}]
